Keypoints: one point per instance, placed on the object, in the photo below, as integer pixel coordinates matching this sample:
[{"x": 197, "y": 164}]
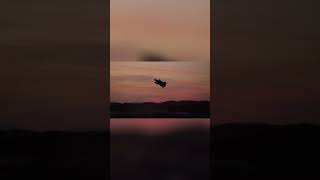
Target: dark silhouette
[
  {"x": 160, "y": 83},
  {"x": 53, "y": 155},
  {"x": 238, "y": 151},
  {"x": 264, "y": 152}
]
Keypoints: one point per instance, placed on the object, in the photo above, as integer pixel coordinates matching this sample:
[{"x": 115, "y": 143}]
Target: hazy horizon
[{"x": 162, "y": 101}]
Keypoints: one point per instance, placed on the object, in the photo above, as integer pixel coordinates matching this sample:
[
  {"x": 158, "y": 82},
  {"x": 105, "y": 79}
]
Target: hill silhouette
[{"x": 168, "y": 109}]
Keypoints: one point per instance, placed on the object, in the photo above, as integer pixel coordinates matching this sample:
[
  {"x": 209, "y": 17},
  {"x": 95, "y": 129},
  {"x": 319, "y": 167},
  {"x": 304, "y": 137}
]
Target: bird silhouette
[{"x": 160, "y": 83}]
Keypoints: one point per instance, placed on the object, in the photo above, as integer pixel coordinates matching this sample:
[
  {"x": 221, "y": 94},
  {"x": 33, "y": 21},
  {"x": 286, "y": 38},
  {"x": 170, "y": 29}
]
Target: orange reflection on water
[{"x": 156, "y": 125}]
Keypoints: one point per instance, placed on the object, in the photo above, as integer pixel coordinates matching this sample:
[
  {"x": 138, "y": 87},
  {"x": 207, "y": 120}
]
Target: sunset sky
[
  {"x": 54, "y": 59},
  {"x": 133, "y": 81},
  {"x": 176, "y": 31}
]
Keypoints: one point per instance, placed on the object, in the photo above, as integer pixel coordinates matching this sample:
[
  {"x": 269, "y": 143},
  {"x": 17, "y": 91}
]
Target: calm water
[
  {"x": 156, "y": 125},
  {"x": 176, "y": 156}
]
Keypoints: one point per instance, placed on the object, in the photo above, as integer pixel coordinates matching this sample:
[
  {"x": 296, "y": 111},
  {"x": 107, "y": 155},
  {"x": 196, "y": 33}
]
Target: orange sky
[
  {"x": 178, "y": 30},
  {"x": 133, "y": 81}
]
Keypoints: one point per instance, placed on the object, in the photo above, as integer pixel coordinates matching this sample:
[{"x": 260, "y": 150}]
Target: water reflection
[
  {"x": 160, "y": 149},
  {"x": 156, "y": 125}
]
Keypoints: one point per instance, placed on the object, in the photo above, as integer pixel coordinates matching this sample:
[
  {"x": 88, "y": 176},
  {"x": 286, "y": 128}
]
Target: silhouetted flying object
[{"x": 161, "y": 83}]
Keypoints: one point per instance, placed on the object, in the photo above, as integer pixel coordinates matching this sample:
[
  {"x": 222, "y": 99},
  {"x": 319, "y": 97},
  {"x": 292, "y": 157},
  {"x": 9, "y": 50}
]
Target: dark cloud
[{"x": 153, "y": 57}]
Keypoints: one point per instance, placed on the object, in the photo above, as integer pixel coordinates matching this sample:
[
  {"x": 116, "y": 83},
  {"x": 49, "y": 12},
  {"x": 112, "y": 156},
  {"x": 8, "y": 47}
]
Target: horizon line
[{"x": 160, "y": 102}]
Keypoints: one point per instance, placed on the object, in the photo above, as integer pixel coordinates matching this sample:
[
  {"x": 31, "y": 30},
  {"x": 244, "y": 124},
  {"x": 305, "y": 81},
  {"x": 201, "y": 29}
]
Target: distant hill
[{"x": 168, "y": 109}]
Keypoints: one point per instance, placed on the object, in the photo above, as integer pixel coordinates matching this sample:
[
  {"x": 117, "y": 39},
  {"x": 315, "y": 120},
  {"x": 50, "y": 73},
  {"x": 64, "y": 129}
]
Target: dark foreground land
[
  {"x": 237, "y": 152},
  {"x": 264, "y": 152},
  {"x": 53, "y": 155}
]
